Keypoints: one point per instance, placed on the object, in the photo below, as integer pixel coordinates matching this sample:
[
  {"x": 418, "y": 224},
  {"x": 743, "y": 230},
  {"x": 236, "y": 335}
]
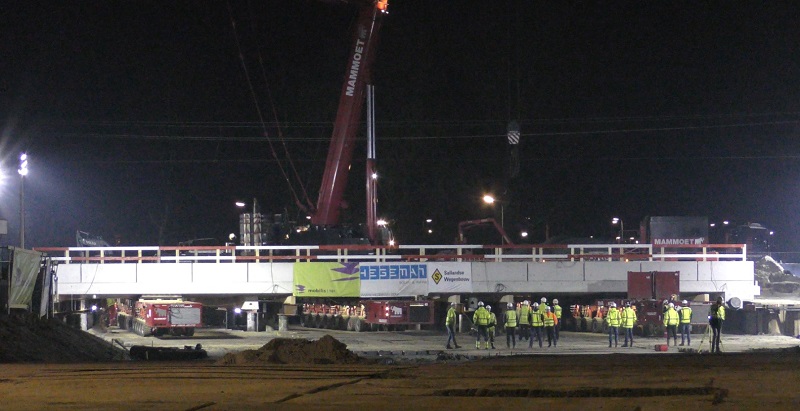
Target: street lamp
[
  {"x": 616, "y": 220},
  {"x": 23, "y": 171},
  {"x": 488, "y": 199}
]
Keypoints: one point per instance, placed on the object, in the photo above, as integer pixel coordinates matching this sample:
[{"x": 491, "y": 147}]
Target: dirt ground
[{"x": 75, "y": 370}]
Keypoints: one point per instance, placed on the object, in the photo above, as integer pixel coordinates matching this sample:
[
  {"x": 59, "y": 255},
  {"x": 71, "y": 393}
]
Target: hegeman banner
[
  {"x": 393, "y": 279},
  {"x": 318, "y": 279},
  {"x": 449, "y": 277}
]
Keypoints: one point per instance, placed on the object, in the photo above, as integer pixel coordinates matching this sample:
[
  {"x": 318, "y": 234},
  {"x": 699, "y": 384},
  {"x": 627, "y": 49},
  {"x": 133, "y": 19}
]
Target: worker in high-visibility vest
[
  {"x": 614, "y": 319},
  {"x": 557, "y": 311},
  {"x": 523, "y": 317},
  {"x": 450, "y": 323},
  {"x": 510, "y": 321},
  {"x": 550, "y": 322},
  {"x": 716, "y": 318},
  {"x": 492, "y": 324},
  {"x": 685, "y": 315},
  {"x": 481, "y": 320},
  {"x": 537, "y": 326},
  {"x": 628, "y": 321},
  {"x": 671, "y": 322}
]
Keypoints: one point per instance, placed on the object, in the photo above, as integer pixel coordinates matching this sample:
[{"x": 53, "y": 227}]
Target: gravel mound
[
  {"x": 30, "y": 339},
  {"x": 326, "y": 350}
]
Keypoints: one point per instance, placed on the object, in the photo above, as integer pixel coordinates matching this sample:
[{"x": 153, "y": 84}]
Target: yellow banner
[{"x": 315, "y": 279}]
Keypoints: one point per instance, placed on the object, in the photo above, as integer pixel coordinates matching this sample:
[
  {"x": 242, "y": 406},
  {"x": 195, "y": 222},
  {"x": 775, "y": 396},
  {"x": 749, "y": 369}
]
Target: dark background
[{"x": 141, "y": 127}]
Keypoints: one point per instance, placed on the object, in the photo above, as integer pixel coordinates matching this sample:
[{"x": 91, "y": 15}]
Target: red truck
[{"x": 159, "y": 317}]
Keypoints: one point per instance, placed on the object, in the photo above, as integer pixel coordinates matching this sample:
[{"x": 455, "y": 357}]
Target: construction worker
[
  {"x": 492, "y": 324},
  {"x": 628, "y": 321},
  {"x": 550, "y": 322},
  {"x": 523, "y": 316},
  {"x": 450, "y": 323},
  {"x": 557, "y": 311},
  {"x": 481, "y": 320},
  {"x": 614, "y": 319},
  {"x": 715, "y": 318},
  {"x": 537, "y": 326},
  {"x": 671, "y": 322},
  {"x": 685, "y": 314},
  {"x": 510, "y": 321},
  {"x": 542, "y": 305}
]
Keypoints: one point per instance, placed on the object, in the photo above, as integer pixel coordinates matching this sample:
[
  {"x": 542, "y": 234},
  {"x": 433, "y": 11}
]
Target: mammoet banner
[{"x": 316, "y": 279}]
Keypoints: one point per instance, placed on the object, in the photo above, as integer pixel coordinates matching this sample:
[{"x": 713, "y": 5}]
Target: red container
[{"x": 661, "y": 347}]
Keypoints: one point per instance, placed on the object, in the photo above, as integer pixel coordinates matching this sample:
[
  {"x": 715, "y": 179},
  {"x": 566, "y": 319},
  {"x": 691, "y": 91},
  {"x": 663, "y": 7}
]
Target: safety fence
[{"x": 421, "y": 253}]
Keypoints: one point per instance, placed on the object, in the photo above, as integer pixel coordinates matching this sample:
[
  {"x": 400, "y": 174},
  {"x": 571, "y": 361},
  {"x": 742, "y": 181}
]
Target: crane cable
[
  {"x": 258, "y": 109},
  {"x": 278, "y": 125}
]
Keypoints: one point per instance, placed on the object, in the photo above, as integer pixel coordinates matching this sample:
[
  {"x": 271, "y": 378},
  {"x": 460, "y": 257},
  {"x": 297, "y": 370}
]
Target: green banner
[
  {"x": 24, "y": 270},
  {"x": 316, "y": 279}
]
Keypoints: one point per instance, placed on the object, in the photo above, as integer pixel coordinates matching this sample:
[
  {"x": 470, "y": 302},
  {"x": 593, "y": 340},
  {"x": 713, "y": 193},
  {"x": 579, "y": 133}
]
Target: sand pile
[
  {"x": 326, "y": 350},
  {"x": 25, "y": 339}
]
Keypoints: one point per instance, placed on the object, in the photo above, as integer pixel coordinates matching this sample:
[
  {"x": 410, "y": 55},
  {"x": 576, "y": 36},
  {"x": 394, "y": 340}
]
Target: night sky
[{"x": 140, "y": 123}]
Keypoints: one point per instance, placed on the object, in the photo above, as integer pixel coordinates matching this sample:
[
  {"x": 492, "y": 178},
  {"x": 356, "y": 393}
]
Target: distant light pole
[
  {"x": 241, "y": 204},
  {"x": 23, "y": 171},
  {"x": 489, "y": 199},
  {"x": 616, "y": 220}
]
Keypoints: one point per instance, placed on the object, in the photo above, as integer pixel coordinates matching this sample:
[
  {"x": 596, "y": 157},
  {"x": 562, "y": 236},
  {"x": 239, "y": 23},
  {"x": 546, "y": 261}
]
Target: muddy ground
[{"x": 583, "y": 374}]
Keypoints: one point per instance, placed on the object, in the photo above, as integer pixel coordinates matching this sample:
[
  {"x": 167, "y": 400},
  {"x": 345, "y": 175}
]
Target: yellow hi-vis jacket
[
  {"x": 557, "y": 310},
  {"x": 537, "y": 319},
  {"x": 628, "y": 317},
  {"x": 481, "y": 317},
  {"x": 613, "y": 318},
  {"x": 511, "y": 318},
  {"x": 451, "y": 316},
  {"x": 686, "y": 315},
  {"x": 671, "y": 317},
  {"x": 523, "y": 313}
]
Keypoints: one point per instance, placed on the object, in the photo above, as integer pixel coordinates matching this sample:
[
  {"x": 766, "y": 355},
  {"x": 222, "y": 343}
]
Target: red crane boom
[{"x": 348, "y": 116}]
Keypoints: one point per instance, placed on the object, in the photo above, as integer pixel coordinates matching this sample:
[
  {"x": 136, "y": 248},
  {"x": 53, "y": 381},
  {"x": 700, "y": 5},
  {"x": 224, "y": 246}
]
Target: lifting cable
[{"x": 259, "y": 112}]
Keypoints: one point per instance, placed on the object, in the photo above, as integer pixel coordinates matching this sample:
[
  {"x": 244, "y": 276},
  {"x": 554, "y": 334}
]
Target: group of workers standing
[
  {"x": 540, "y": 320},
  {"x": 679, "y": 318},
  {"x": 616, "y": 319},
  {"x": 530, "y": 322}
]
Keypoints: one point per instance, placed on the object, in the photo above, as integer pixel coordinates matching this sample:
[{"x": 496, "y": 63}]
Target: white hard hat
[
  {"x": 453, "y": 304},
  {"x": 480, "y": 303},
  {"x": 488, "y": 307},
  {"x": 684, "y": 302},
  {"x": 671, "y": 305},
  {"x": 526, "y": 302},
  {"x": 544, "y": 300},
  {"x": 613, "y": 304},
  {"x": 547, "y": 307},
  {"x": 510, "y": 305},
  {"x": 535, "y": 304},
  {"x": 555, "y": 300}
]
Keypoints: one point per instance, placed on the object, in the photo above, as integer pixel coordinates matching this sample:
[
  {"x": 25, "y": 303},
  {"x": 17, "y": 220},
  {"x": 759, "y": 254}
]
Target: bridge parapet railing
[{"x": 417, "y": 253}]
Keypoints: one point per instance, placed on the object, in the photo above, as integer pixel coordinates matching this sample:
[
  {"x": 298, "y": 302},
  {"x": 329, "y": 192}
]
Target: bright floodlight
[
  {"x": 237, "y": 310},
  {"x": 239, "y": 204},
  {"x": 374, "y": 176},
  {"x": 23, "y": 164},
  {"x": 488, "y": 199},
  {"x": 429, "y": 220},
  {"x": 523, "y": 234},
  {"x": 615, "y": 220},
  {"x": 381, "y": 222}
]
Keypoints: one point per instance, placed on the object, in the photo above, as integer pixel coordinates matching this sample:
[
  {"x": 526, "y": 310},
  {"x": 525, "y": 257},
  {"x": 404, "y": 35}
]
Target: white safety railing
[{"x": 420, "y": 253}]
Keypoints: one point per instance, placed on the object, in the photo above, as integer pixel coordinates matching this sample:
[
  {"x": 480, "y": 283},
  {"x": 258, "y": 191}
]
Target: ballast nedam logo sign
[{"x": 393, "y": 272}]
